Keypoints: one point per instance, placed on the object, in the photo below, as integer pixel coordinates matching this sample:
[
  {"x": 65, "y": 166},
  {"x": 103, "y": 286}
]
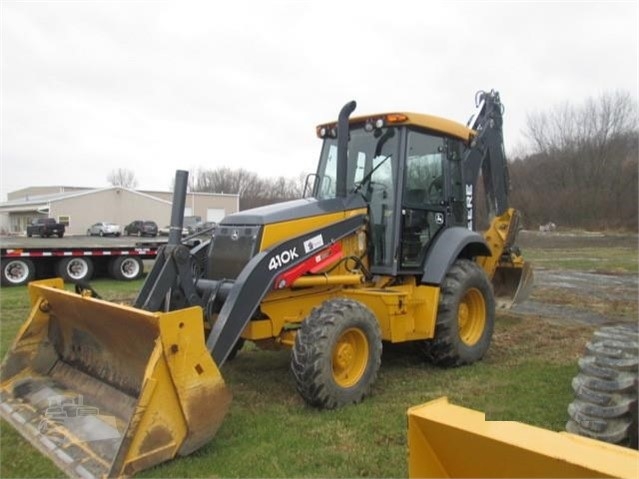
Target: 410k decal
[{"x": 282, "y": 259}]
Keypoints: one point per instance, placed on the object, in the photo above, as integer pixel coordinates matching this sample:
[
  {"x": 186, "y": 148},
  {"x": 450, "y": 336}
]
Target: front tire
[
  {"x": 465, "y": 317},
  {"x": 337, "y": 354}
]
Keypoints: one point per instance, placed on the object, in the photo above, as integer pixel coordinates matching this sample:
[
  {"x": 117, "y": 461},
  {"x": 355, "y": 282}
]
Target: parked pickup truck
[{"x": 45, "y": 227}]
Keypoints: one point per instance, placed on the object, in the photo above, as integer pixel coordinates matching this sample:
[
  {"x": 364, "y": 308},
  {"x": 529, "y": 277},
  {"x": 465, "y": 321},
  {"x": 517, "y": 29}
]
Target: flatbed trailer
[{"x": 74, "y": 258}]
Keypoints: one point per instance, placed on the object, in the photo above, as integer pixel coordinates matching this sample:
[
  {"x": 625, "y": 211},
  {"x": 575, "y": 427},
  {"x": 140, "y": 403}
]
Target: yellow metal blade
[
  {"x": 108, "y": 390},
  {"x": 451, "y": 441}
]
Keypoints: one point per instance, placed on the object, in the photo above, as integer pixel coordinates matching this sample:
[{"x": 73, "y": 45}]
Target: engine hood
[{"x": 294, "y": 209}]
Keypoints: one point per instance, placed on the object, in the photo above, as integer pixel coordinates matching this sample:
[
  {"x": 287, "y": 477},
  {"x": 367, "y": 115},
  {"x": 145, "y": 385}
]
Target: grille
[{"x": 231, "y": 248}]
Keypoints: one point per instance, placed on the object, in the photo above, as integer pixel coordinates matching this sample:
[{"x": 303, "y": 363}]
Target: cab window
[{"x": 423, "y": 214}]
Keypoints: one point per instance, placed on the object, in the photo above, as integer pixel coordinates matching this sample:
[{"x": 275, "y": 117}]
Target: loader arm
[
  {"x": 257, "y": 279},
  {"x": 173, "y": 285}
]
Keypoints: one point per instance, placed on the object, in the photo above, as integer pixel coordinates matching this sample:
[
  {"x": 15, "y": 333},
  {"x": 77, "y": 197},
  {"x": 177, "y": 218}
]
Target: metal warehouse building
[{"x": 79, "y": 208}]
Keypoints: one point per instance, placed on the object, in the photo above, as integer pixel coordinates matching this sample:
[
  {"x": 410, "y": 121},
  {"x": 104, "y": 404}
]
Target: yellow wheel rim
[
  {"x": 471, "y": 317},
  {"x": 350, "y": 357}
]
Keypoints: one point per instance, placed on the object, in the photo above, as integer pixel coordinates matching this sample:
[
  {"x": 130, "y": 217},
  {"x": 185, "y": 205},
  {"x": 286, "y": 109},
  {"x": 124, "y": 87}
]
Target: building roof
[
  {"x": 41, "y": 203},
  {"x": 198, "y": 193}
]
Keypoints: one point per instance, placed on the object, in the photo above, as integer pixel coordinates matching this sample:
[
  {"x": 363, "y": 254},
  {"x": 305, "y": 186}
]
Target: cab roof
[{"x": 420, "y": 120}]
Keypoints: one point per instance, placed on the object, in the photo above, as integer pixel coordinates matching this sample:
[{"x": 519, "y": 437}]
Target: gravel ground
[{"x": 580, "y": 297}]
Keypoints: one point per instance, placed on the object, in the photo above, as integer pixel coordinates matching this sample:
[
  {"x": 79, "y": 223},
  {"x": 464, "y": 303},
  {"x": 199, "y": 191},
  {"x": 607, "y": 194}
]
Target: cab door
[{"x": 432, "y": 191}]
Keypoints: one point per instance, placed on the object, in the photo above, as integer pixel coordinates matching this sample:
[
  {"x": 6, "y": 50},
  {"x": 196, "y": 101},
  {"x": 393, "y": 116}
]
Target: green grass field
[{"x": 270, "y": 432}]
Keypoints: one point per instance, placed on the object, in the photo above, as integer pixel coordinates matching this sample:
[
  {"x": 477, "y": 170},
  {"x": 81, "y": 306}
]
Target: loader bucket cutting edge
[
  {"x": 108, "y": 390},
  {"x": 512, "y": 284}
]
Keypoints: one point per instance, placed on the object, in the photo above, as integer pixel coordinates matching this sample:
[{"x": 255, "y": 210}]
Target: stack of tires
[{"x": 605, "y": 404}]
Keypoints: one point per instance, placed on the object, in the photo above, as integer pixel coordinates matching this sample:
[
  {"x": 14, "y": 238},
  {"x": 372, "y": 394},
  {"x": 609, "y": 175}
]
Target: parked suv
[{"x": 141, "y": 228}]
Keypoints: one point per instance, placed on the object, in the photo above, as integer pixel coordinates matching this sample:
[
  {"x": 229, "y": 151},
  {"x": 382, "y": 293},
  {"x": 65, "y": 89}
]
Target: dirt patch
[
  {"x": 521, "y": 337},
  {"x": 577, "y": 297}
]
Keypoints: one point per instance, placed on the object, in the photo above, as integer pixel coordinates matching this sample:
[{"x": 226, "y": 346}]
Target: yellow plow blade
[
  {"x": 107, "y": 390},
  {"x": 451, "y": 441}
]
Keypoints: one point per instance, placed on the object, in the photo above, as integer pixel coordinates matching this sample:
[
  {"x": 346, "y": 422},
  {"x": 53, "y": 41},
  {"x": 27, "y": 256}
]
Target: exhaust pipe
[
  {"x": 342, "y": 148},
  {"x": 177, "y": 211}
]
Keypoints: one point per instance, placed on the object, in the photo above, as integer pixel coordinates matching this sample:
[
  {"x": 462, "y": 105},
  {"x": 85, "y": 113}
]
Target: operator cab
[{"x": 408, "y": 168}]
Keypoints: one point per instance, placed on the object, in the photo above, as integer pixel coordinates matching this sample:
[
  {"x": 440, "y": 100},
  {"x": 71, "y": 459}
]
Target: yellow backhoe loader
[{"x": 383, "y": 249}]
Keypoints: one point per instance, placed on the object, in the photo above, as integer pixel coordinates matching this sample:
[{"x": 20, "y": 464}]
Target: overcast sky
[{"x": 155, "y": 86}]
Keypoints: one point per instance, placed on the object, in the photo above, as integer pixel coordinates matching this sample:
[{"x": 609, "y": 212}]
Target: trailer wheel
[
  {"x": 126, "y": 268},
  {"x": 75, "y": 269},
  {"x": 605, "y": 404},
  {"x": 337, "y": 354},
  {"x": 465, "y": 317},
  {"x": 16, "y": 272}
]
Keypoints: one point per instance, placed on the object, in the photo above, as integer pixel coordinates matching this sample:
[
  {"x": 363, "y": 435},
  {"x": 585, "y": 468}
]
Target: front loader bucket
[
  {"x": 445, "y": 440},
  {"x": 512, "y": 284},
  {"x": 107, "y": 390}
]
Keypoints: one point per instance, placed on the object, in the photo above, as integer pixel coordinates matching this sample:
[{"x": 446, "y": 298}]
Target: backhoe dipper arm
[{"x": 486, "y": 153}]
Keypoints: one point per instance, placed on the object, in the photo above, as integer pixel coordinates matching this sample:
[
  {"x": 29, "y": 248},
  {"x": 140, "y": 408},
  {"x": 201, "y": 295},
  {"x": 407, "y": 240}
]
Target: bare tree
[
  {"x": 253, "y": 190},
  {"x": 583, "y": 167},
  {"x": 122, "y": 177}
]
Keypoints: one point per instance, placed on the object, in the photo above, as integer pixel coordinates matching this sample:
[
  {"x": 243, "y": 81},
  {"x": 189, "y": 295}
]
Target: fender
[{"x": 447, "y": 247}]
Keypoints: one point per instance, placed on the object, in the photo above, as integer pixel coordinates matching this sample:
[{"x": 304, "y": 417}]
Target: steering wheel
[{"x": 435, "y": 190}]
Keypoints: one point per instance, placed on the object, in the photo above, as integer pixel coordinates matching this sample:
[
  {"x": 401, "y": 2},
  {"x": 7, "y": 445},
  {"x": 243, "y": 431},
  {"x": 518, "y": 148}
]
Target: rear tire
[
  {"x": 17, "y": 272},
  {"x": 126, "y": 268},
  {"x": 465, "y": 317},
  {"x": 75, "y": 269},
  {"x": 337, "y": 354},
  {"x": 605, "y": 404}
]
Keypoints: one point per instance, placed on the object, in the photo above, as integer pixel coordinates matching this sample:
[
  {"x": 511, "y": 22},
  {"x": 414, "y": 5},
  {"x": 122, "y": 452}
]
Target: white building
[{"x": 79, "y": 208}]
